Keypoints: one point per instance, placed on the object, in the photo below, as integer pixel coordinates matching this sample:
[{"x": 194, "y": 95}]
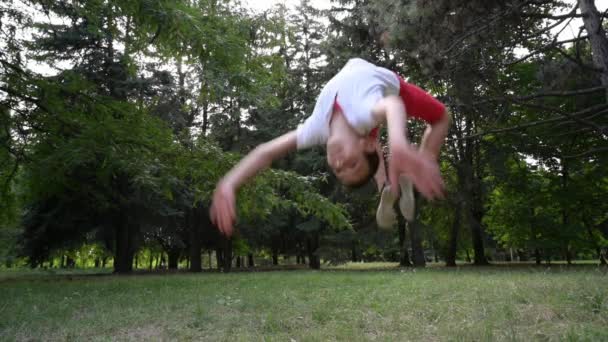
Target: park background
[{"x": 119, "y": 117}]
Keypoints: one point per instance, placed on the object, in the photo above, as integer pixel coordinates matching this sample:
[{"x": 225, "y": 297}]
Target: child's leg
[
  {"x": 380, "y": 176},
  {"x": 407, "y": 201},
  {"x": 385, "y": 215}
]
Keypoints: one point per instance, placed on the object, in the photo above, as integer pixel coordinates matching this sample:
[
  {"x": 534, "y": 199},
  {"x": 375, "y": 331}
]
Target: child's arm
[
  {"x": 419, "y": 165},
  {"x": 223, "y": 213},
  {"x": 434, "y": 136}
]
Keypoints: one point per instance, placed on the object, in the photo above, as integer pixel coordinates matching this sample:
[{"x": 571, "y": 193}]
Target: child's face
[{"x": 347, "y": 158}]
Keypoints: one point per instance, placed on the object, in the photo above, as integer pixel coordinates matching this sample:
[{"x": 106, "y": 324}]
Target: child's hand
[
  {"x": 419, "y": 167},
  {"x": 222, "y": 210}
]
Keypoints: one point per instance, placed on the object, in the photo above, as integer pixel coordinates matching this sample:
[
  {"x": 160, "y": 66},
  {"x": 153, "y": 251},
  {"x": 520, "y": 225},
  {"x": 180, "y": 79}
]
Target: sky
[
  {"x": 568, "y": 32},
  {"x": 261, "y": 5}
]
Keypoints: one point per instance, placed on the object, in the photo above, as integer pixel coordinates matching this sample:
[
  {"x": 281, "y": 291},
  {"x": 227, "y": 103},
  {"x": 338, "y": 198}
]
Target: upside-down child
[{"x": 346, "y": 117}]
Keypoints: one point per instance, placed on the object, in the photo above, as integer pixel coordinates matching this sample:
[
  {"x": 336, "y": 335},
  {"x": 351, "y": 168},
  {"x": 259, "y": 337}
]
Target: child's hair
[{"x": 373, "y": 161}]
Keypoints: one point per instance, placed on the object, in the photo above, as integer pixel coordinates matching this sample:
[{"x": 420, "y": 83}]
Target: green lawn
[{"x": 495, "y": 303}]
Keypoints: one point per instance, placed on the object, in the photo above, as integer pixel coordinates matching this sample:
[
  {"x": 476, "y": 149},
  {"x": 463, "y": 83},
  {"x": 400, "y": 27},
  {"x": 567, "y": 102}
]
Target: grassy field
[{"x": 386, "y": 304}]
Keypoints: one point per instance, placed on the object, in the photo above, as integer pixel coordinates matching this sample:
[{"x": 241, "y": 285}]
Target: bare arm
[
  {"x": 420, "y": 166},
  {"x": 391, "y": 110},
  {"x": 260, "y": 158},
  {"x": 223, "y": 212},
  {"x": 434, "y": 136}
]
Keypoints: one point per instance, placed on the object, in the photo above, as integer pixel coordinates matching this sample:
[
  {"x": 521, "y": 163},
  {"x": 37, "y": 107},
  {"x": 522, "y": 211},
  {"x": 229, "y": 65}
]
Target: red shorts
[{"x": 420, "y": 104}]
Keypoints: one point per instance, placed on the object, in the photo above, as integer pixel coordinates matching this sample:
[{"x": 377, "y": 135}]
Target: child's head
[{"x": 353, "y": 158}]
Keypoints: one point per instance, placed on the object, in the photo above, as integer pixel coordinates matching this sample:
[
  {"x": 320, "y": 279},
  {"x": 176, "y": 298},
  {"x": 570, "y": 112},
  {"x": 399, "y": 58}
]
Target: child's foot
[
  {"x": 407, "y": 203},
  {"x": 385, "y": 215}
]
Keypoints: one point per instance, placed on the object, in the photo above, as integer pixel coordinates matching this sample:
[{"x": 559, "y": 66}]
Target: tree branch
[
  {"x": 480, "y": 28},
  {"x": 536, "y": 123},
  {"x": 553, "y": 17},
  {"x": 538, "y": 95},
  {"x": 588, "y": 153},
  {"x": 546, "y": 47},
  {"x": 599, "y": 129},
  {"x": 578, "y": 62},
  {"x": 548, "y": 28}
]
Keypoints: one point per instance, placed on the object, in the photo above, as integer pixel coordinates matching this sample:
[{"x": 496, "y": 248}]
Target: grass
[{"x": 386, "y": 304}]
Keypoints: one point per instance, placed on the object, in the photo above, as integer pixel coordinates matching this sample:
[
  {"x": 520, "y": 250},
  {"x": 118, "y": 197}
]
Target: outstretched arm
[{"x": 223, "y": 212}]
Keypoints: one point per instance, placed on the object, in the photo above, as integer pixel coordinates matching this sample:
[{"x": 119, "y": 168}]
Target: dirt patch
[
  {"x": 537, "y": 313},
  {"x": 150, "y": 332}
]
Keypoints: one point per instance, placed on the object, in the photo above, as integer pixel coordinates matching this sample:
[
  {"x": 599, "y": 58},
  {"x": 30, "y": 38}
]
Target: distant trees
[
  {"x": 509, "y": 81},
  {"x": 113, "y": 153},
  {"x": 143, "y": 106}
]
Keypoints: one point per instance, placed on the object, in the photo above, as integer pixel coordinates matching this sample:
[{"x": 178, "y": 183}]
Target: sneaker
[
  {"x": 385, "y": 215},
  {"x": 407, "y": 202}
]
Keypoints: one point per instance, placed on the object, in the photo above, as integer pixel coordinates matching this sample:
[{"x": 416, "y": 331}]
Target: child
[{"x": 350, "y": 107}]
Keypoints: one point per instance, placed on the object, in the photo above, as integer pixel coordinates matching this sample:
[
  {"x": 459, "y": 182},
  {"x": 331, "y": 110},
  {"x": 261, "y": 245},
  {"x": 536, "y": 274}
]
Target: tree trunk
[
  {"x": 565, "y": 212},
  {"x": 227, "y": 265},
  {"x": 602, "y": 257},
  {"x": 123, "y": 254},
  {"x": 275, "y": 256},
  {"x": 238, "y": 262},
  {"x": 479, "y": 256},
  {"x": 210, "y": 256},
  {"x": 477, "y": 207},
  {"x": 434, "y": 249},
  {"x": 592, "y": 241},
  {"x": 300, "y": 252},
  {"x": 173, "y": 258},
  {"x": 71, "y": 262},
  {"x": 404, "y": 257},
  {"x": 415, "y": 236},
  {"x": 475, "y": 216},
  {"x": 450, "y": 257},
  {"x": 312, "y": 243},
  {"x": 597, "y": 37},
  {"x": 194, "y": 227},
  {"x": 219, "y": 258},
  {"x": 250, "y": 261},
  {"x": 417, "y": 250},
  {"x": 353, "y": 253},
  {"x": 521, "y": 255},
  {"x": 537, "y": 256}
]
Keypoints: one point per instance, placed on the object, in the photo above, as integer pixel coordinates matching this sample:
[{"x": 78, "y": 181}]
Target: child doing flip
[{"x": 346, "y": 116}]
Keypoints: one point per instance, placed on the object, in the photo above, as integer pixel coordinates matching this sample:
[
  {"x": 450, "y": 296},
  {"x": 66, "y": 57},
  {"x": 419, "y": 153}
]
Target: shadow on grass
[{"x": 79, "y": 274}]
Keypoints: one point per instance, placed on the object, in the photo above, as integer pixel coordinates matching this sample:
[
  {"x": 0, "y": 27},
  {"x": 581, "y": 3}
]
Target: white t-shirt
[{"x": 356, "y": 88}]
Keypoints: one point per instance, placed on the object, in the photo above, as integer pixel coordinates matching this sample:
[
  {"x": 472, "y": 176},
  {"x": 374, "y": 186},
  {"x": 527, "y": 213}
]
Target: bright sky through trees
[{"x": 570, "y": 31}]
